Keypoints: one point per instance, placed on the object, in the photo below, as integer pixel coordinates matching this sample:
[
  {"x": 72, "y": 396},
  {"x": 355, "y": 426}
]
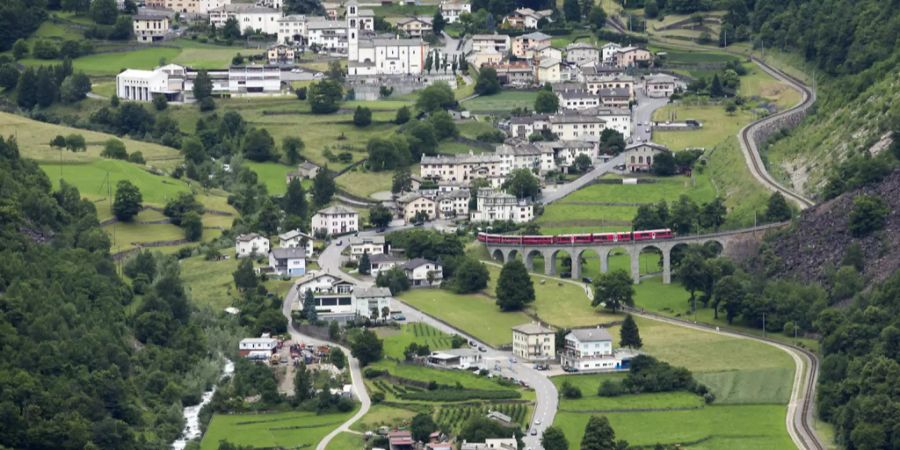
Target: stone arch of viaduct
[{"x": 505, "y": 252}]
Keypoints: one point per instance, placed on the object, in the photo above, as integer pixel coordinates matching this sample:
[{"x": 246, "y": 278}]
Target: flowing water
[{"x": 192, "y": 413}]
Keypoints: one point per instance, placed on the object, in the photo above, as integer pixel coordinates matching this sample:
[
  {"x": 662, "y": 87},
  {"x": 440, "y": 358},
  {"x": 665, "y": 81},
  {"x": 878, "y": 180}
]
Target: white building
[
  {"x": 292, "y": 29},
  {"x": 150, "y": 27},
  {"x": 524, "y": 126},
  {"x": 260, "y": 19},
  {"x": 577, "y": 99},
  {"x": 335, "y": 220},
  {"x": 565, "y": 152},
  {"x": 254, "y": 79},
  {"x": 328, "y": 35},
  {"x": 453, "y": 204},
  {"x": 451, "y": 10},
  {"x": 297, "y": 239},
  {"x": 189, "y": 6},
  {"x": 288, "y": 261},
  {"x": 373, "y": 245},
  {"x": 608, "y": 51},
  {"x": 597, "y": 82},
  {"x": 494, "y": 205},
  {"x": 379, "y": 56},
  {"x": 618, "y": 119},
  {"x": 415, "y": 205},
  {"x": 280, "y": 54},
  {"x": 463, "y": 168},
  {"x": 659, "y": 85},
  {"x": 581, "y": 53},
  {"x": 526, "y": 18},
  {"x": 487, "y": 42},
  {"x": 457, "y": 358},
  {"x": 534, "y": 342},
  {"x": 423, "y": 273},
  {"x": 524, "y": 46},
  {"x": 141, "y": 85},
  {"x": 371, "y": 300},
  {"x": 548, "y": 70},
  {"x": 415, "y": 26},
  {"x": 491, "y": 444},
  {"x": 521, "y": 154},
  {"x": 261, "y": 345},
  {"x": 384, "y": 261},
  {"x": 250, "y": 244},
  {"x": 590, "y": 349},
  {"x": 577, "y": 127}
]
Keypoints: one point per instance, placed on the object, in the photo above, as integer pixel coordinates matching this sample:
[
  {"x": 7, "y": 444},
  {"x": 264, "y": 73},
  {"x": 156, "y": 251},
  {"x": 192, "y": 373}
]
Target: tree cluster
[
  {"x": 46, "y": 85},
  {"x": 684, "y": 216}
]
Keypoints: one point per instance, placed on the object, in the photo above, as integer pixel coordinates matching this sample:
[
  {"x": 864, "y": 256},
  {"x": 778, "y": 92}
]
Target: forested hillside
[
  {"x": 86, "y": 362},
  {"x": 854, "y": 45}
]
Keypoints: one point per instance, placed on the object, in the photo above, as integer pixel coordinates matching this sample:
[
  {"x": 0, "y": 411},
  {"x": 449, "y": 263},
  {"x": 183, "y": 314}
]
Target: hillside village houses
[
  {"x": 254, "y": 347},
  {"x": 434, "y": 204},
  {"x": 423, "y": 273},
  {"x": 280, "y": 54},
  {"x": 595, "y": 83},
  {"x": 415, "y": 26},
  {"x": 526, "y": 18},
  {"x": 495, "y": 42},
  {"x": 491, "y": 444},
  {"x": 548, "y": 71},
  {"x": 581, "y": 53},
  {"x": 369, "y": 54},
  {"x": 587, "y": 124},
  {"x": 516, "y": 74},
  {"x": 373, "y": 245},
  {"x": 493, "y": 205},
  {"x": 250, "y": 244},
  {"x": 188, "y": 6},
  {"x": 457, "y": 358},
  {"x": 452, "y": 9},
  {"x": 258, "y": 18},
  {"x": 288, "y": 261},
  {"x": 631, "y": 56},
  {"x": 176, "y": 82},
  {"x": 590, "y": 349},
  {"x": 660, "y": 85},
  {"x": 534, "y": 342},
  {"x": 150, "y": 27},
  {"x": 335, "y": 220},
  {"x": 384, "y": 261},
  {"x": 337, "y": 296},
  {"x": 305, "y": 170},
  {"x": 297, "y": 239},
  {"x": 640, "y": 155},
  {"x": 524, "y": 46}
]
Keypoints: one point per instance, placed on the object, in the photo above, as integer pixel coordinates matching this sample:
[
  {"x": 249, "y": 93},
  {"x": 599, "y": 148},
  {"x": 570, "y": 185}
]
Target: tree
[
  {"x": 303, "y": 383},
  {"x": 114, "y": 149},
  {"x": 599, "y": 435},
  {"x": 244, "y": 277},
  {"x": 570, "y": 391},
  {"x": 651, "y": 9},
  {"x": 546, "y": 102},
  {"x": 366, "y": 347},
  {"x": 729, "y": 293},
  {"x": 59, "y": 142},
  {"x": 402, "y": 180},
  {"x": 20, "y": 49},
  {"x": 693, "y": 273},
  {"x": 75, "y": 143},
  {"x": 469, "y": 276},
  {"x": 231, "y": 30},
  {"x": 523, "y": 184},
  {"x": 128, "y": 201},
  {"x": 393, "y": 279},
  {"x": 488, "y": 83},
  {"x": 438, "y": 23},
  {"x": 429, "y": 62},
  {"x": 869, "y": 214},
  {"x": 684, "y": 215},
  {"x": 104, "y": 12},
  {"x": 435, "y": 97},
  {"x": 9, "y": 76},
  {"x": 380, "y": 216},
  {"x": 712, "y": 215},
  {"x": 335, "y": 72},
  {"x": 365, "y": 266},
  {"x": 202, "y": 85},
  {"x": 663, "y": 164},
  {"x": 45, "y": 89},
  {"x": 514, "y": 287},
  {"x": 192, "y": 225},
  {"x": 325, "y": 96},
  {"x": 614, "y": 289},
  {"x": 597, "y": 18},
  {"x": 159, "y": 102},
  {"x": 715, "y": 87},
  {"x": 294, "y": 200},
  {"x": 854, "y": 257},
  {"x": 74, "y": 88},
  {"x": 143, "y": 263},
  {"x": 26, "y": 95},
  {"x": 629, "y": 335},
  {"x": 291, "y": 146},
  {"x": 582, "y": 163},
  {"x": 259, "y": 145},
  {"x": 387, "y": 153},
  {"x": 402, "y": 116},
  {"x": 338, "y": 359},
  {"x": 443, "y": 125},
  {"x": 309, "y": 307},
  {"x": 362, "y": 117},
  {"x": 554, "y": 439},
  {"x": 177, "y": 207},
  {"x": 571, "y": 11},
  {"x": 611, "y": 142},
  {"x": 323, "y": 188},
  {"x": 777, "y": 209},
  {"x": 421, "y": 426}
]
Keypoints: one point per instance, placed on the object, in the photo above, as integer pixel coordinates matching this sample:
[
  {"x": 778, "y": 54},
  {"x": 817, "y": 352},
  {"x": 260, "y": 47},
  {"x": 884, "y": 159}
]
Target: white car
[{"x": 537, "y": 422}]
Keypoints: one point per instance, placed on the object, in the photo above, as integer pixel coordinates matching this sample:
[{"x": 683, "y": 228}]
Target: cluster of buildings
[
  {"x": 585, "y": 349},
  {"x": 176, "y": 83},
  {"x": 288, "y": 259}
]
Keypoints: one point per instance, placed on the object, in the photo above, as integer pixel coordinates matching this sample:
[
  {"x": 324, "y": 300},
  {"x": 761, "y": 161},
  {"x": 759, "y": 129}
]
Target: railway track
[{"x": 748, "y": 144}]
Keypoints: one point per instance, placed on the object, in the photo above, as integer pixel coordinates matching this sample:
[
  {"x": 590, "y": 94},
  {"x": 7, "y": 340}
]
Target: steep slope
[{"x": 819, "y": 238}]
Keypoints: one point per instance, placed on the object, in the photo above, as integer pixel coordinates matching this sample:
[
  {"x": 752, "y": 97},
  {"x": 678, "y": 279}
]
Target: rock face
[{"x": 819, "y": 238}]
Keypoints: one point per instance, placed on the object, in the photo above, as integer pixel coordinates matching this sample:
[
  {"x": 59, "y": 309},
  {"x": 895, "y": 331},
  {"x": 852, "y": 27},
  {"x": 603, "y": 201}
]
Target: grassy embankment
[{"x": 284, "y": 429}]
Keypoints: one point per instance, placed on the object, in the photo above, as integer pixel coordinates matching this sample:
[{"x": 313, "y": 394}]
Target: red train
[{"x": 571, "y": 239}]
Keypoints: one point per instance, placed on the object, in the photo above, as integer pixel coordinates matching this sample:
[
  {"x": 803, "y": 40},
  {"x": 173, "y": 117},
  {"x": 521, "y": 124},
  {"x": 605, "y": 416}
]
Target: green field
[
  {"x": 596, "y": 208},
  {"x": 34, "y": 142},
  {"x": 395, "y": 341},
  {"x": 381, "y": 414},
  {"x": 288, "y": 429},
  {"x": 590, "y": 401},
  {"x": 502, "y": 102},
  {"x": 346, "y": 441}
]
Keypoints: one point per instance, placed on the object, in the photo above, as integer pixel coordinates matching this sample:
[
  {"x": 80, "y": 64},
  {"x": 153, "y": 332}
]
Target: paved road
[
  {"x": 549, "y": 196},
  {"x": 642, "y": 114},
  {"x": 359, "y": 387}
]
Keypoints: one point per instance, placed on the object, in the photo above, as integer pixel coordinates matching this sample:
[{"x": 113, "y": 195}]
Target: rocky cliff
[{"x": 819, "y": 238}]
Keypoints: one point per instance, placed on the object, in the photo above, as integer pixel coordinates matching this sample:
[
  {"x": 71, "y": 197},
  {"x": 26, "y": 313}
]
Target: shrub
[
  {"x": 374, "y": 373},
  {"x": 610, "y": 388},
  {"x": 454, "y": 395},
  {"x": 570, "y": 391}
]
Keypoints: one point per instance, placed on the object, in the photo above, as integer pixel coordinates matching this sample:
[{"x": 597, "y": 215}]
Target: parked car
[
  {"x": 513, "y": 360},
  {"x": 398, "y": 317},
  {"x": 534, "y": 431},
  {"x": 570, "y": 369},
  {"x": 587, "y": 280},
  {"x": 482, "y": 349}
]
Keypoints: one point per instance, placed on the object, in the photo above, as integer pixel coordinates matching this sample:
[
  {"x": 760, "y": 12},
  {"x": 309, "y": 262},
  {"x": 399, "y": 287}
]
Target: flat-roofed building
[{"x": 534, "y": 342}]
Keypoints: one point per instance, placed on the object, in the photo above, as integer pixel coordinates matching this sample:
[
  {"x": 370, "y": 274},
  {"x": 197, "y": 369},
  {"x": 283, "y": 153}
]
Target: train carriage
[{"x": 573, "y": 239}]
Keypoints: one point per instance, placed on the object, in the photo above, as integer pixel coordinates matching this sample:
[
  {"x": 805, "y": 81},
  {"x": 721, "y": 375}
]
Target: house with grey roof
[
  {"x": 288, "y": 261},
  {"x": 591, "y": 349},
  {"x": 422, "y": 272}
]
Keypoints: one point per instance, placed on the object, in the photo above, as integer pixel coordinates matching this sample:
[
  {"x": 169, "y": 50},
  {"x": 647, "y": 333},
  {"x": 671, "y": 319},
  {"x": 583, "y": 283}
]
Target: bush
[
  {"x": 455, "y": 395},
  {"x": 611, "y": 388},
  {"x": 570, "y": 391},
  {"x": 301, "y": 93},
  {"x": 207, "y": 104},
  {"x": 373, "y": 373},
  {"x": 377, "y": 397}
]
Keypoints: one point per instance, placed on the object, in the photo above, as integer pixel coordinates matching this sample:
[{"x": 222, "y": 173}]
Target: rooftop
[
  {"x": 293, "y": 234},
  {"x": 535, "y": 36},
  {"x": 614, "y": 92},
  {"x": 336, "y": 209},
  {"x": 289, "y": 253},
  {"x": 357, "y": 240},
  {"x": 590, "y": 334},
  {"x": 417, "y": 262},
  {"x": 248, "y": 237},
  {"x": 370, "y": 292},
  {"x": 532, "y": 328}
]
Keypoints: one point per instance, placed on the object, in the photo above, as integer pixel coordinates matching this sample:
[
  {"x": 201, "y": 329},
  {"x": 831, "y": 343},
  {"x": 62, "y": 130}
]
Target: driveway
[
  {"x": 642, "y": 113},
  {"x": 549, "y": 196}
]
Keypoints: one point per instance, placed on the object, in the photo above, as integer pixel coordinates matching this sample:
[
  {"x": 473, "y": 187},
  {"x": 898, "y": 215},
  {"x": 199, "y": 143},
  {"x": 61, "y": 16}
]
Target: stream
[{"x": 192, "y": 413}]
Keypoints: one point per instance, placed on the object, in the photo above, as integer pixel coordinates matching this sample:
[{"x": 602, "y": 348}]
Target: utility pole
[{"x": 764, "y": 324}]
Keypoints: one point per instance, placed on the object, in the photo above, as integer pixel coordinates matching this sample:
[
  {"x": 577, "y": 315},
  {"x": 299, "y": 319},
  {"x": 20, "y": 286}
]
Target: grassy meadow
[
  {"x": 501, "y": 102},
  {"x": 286, "y": 429}
]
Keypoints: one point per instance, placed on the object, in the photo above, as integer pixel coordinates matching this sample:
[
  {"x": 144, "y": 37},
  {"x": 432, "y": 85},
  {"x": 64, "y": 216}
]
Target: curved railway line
[{"x": 800, "y": 416}]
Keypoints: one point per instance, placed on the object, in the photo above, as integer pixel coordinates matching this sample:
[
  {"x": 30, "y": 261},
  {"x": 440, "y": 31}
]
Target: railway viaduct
[{"x": 732, "y": 242}]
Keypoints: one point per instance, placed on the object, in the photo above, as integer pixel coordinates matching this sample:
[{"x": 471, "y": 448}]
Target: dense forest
[{"x": 87, "y": 362}]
